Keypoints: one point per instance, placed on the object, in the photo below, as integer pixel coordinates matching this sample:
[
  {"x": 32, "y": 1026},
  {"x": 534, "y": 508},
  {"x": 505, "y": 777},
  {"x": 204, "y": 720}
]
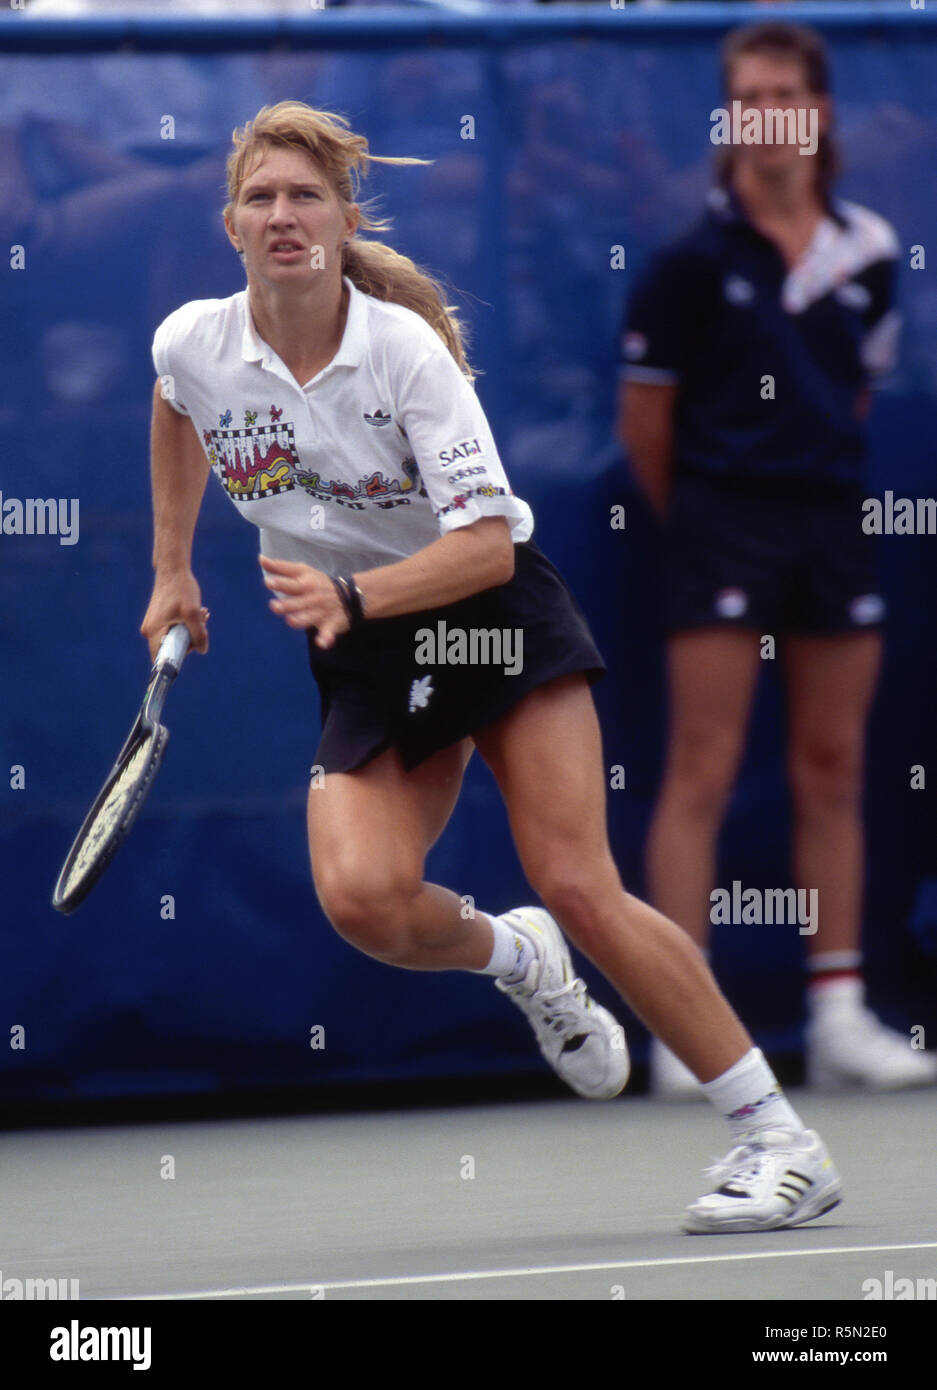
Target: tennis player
[
  {"x": 750, "y": 350},
  {"x": 332, "y": 400}
]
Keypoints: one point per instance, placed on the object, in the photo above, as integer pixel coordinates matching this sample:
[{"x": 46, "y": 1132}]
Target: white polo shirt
[{"x": 381, "y": 452}]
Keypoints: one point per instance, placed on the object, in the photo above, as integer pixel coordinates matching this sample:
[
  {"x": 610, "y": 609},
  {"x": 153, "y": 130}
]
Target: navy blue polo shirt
[{"x": 718, "y": 311}]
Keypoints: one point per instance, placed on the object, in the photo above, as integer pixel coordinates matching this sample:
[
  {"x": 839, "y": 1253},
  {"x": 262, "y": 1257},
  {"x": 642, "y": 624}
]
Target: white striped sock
[{"x": 748, "y": 1097}]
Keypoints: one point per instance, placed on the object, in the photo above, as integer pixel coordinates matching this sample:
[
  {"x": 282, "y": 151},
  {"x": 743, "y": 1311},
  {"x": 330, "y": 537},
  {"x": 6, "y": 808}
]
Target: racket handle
[{"x": 173, "y": 648}]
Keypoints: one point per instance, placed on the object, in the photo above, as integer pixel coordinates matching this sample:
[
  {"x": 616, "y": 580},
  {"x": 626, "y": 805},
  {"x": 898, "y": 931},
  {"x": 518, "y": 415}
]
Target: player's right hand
[{"x": 176, "y": 598}]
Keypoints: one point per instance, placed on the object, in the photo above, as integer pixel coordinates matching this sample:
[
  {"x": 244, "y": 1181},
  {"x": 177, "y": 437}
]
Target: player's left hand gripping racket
[{"x": 111, "y": 817}]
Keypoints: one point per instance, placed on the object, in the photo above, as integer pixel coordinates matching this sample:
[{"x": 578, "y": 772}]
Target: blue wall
[{"x": 591, "y": 130}]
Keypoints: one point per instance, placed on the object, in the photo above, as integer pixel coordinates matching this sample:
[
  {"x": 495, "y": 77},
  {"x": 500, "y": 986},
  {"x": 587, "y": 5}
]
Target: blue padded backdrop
[{"x": 590, "y": 132}]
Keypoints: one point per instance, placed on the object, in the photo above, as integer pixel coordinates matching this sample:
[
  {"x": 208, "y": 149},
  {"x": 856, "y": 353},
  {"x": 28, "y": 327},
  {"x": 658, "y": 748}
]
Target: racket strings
[{"x": 109, "y": 813}]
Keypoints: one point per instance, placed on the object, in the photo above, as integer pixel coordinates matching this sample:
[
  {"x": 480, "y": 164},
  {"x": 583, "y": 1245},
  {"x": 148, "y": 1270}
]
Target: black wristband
[{"x": 352, "y": 599}]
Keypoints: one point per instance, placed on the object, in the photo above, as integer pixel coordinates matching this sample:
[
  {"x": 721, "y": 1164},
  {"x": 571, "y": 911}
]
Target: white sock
[
  {"x": 834, "y": 963},
  {"x": 511, "y": 955},
  {"x": 749, "y": 1098},
  {"x": 844, "y": 995}
]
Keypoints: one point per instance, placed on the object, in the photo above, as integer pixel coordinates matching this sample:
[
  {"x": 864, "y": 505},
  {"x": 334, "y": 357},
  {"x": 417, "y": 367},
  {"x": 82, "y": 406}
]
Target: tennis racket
[{"x": 111, "y": 818}]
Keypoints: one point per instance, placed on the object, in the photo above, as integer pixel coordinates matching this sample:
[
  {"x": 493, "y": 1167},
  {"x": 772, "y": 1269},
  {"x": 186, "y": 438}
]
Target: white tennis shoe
[
  {"x": 851, "y": 1048},
  {"x": 774, "y": 1179},
  {"x": 583, "y": 1043}
]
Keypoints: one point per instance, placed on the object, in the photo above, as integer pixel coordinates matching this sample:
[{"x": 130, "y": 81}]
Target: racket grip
[{"x": 173, "y": 648}]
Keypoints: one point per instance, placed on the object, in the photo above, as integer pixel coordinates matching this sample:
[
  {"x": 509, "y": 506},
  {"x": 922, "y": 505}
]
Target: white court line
[{"x": 403, "y": 1279}]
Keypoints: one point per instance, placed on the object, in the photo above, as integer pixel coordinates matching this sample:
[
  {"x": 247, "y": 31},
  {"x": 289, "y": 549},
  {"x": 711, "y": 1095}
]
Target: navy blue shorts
[
  {"x": 771, "y": 555},
  {"x": 426, "y": 680}
]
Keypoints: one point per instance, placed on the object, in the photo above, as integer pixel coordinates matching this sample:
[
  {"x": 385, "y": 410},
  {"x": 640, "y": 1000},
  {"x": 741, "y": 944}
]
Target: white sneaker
[
  {"x": 774, "y": 1179},
  {"x": 847, "y": 1046},
  {"x": 670, "y": 1079},
  {"x": 583, "y": 1043}
]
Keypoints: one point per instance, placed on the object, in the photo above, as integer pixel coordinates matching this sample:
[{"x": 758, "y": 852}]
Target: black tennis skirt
[{"x": 426, "y": 680}]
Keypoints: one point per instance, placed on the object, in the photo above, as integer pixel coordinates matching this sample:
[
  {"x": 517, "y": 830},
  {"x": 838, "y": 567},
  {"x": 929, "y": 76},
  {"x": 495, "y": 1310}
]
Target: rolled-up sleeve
[
  {"x": 659, "y": 321},
  {"x": 164, "y": 362},
  {"x": 454, "y": 449}
]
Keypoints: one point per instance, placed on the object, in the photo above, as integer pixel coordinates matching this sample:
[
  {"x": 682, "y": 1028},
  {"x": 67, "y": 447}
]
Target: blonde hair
[{"x": 373, "y": 267}]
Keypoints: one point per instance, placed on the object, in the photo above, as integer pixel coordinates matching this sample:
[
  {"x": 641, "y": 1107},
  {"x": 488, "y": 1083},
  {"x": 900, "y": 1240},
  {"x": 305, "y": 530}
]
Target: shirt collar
[
  {"x": 351, "y": 349},
  {"x": 725, "y": 205},
  {"x": 355, "y": 338}
]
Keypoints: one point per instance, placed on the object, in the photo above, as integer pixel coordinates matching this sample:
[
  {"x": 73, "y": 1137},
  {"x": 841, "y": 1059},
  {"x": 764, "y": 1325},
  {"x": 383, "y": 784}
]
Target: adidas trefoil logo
[
  {"x": 378, "y": 418},
  {"x": 420, "y": 692}
]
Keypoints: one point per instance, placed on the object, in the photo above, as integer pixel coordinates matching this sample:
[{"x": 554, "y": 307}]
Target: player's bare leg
[
  {"x": 712, "y": 674},
  {"x": 831, "y": 683},
  {"x": 369, "y": 834}
]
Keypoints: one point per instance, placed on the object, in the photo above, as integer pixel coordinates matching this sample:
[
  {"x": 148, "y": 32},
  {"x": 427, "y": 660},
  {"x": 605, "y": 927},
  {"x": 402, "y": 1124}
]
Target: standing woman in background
[
  {"x": 760, "y": 489},
  {"x": 334, "y": 388}
]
